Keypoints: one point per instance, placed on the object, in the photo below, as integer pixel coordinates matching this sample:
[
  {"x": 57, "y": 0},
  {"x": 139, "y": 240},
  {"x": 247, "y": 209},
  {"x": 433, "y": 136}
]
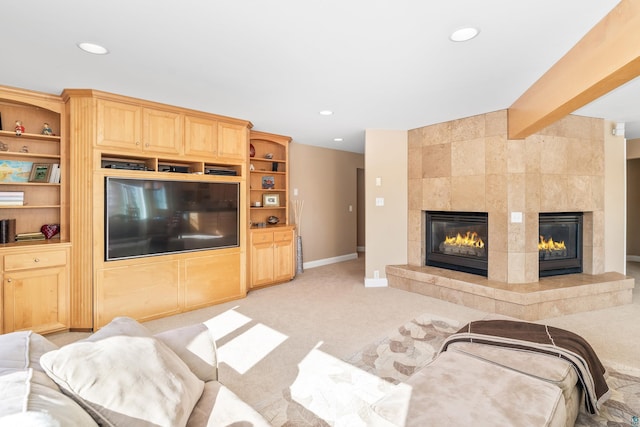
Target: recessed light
[
  {"x": 326, "y": 112},
  {"x": 338, "y": 139},
  {"x": 96, "y": 49},
  {"x": 464, "y": 34}
]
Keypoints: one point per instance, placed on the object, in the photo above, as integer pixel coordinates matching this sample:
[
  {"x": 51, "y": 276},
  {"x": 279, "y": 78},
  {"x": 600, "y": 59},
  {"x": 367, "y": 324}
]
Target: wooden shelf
[
  {"x": 268, "y": 172},
  {"x": 29, "y": 206},
  {"x": 31, "y": 156},
  {"x": 10, "y": 134},
  {"x": 41, "y": 184}
]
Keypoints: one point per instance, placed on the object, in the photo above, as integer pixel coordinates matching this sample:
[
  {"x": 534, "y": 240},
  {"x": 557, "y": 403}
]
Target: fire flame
[
  {"x": 550, "y": 245},
  {"x": 469, "y": 239}
]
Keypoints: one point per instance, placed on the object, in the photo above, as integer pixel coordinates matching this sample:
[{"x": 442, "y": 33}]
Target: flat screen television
[{"x": 146, "y": 217}]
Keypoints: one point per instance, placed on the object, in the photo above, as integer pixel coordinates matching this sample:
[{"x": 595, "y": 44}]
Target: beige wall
[
  {"x": 361, "y": 210},
  {"x": 615, "y": 200},
  {"x": 633, "y": 148},
  {"x": 327, "y": 183},
  {"x": 386, "y": 226},
  {"x": 633, "y": 199}
]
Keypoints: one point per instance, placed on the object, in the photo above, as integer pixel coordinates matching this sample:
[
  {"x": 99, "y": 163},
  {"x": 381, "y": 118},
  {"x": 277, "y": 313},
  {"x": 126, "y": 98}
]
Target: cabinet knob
[
  {"x": 9, "y": 280},
  {"x": 36, "y": 260},
  {"x": 137, "y": 142}
]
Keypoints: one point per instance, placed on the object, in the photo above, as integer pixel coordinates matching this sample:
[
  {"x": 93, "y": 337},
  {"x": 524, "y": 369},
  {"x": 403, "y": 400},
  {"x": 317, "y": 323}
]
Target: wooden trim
[
  {"x": 91, "y": 93},
  {"x": 604, "y": 59},
  {"x": 81, "y": 114},
  {"x": 39, "y": 99}
]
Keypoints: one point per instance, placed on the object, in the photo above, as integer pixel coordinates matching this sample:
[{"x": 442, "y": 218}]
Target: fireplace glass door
[
  {"x": 457, "y": 241},
  {"x": 560, "y": 243}
]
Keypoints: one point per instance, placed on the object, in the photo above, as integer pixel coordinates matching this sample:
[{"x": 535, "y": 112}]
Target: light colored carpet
[{"x": 269, "y": 338}]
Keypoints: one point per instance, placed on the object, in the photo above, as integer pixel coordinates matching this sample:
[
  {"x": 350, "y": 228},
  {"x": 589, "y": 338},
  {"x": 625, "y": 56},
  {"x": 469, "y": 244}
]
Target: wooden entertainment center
[{"x": 66, "y": 283}]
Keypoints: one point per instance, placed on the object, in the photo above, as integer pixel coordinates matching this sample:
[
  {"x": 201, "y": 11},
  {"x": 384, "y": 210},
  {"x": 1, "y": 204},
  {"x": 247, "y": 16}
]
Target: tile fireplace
[
  {"x": 560, "y": 243},
  {"x": 457, "y": 241},
  {"x": 470, "y": 165}
]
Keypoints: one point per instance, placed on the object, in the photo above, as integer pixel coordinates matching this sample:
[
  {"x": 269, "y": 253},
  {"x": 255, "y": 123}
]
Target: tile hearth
[{"x": 549, "y": 297}]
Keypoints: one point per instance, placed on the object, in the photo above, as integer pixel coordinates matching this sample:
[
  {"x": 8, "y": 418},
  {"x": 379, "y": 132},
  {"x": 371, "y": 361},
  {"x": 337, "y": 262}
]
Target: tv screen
[{"x": 145, "y": 217}]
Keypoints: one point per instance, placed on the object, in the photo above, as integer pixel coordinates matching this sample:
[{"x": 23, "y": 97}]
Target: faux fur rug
[{"x": 329, "y": 392}]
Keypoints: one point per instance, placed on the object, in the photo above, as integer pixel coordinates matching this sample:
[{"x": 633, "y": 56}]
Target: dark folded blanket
[{"x": 543, "y": 339}]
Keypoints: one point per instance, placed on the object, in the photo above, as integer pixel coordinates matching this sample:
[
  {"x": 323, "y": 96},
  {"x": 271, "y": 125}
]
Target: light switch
[
  {"x": 378, "y": 181},
  {"x": 295, "y": 191},
  {"x": 516, "y": 217},
  {"x": 379, "y": 201},
  {"x": 350, "y": 208}
]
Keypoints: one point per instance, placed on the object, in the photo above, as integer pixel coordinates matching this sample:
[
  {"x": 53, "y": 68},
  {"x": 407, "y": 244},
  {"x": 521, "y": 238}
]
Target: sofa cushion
[
  {"x": 30, "y": 419},
  {"x": 544, "y": 366},
  {"x": 196, "y": 347},
  {"x": 23, "y": 350},
  {"x": 123, "y": 376},
  {"x": 27, "y": 395},
  {"x": 219, "y": 406}
]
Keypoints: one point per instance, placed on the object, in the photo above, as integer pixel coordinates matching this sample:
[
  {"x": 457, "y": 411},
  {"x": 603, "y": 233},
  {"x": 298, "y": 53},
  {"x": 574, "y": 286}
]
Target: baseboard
[
  {"x": 634, "y": 258},
  {"x": 327, "y": 261},
  {"x": 376, "y": 283}
]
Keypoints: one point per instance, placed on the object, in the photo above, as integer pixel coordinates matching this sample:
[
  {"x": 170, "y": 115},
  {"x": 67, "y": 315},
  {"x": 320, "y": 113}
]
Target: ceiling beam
[{"x": 606, "y": 57}]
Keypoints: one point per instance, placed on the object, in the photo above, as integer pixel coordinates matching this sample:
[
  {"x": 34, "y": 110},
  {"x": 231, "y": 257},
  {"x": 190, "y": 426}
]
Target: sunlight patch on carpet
[
  {"x": 247, "y": 349},
  {"x": 225, "y": 323}
]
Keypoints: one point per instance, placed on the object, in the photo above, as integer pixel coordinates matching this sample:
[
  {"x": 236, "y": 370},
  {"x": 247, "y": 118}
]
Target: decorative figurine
[
  {"x": 19, "y": 128},
  {"x": 46, "y": 129}
]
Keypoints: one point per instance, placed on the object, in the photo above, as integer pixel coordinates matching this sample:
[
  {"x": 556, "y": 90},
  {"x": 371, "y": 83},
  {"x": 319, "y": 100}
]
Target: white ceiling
[{"x": 378, "y": 64}]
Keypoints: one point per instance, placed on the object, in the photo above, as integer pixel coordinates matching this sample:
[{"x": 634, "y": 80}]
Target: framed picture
[
  {"x": 270, "y": 200},
  {"x": 15, "y": 171},
  {"x": 40, "y": 172},
  {"x": 268, "y": 182}
]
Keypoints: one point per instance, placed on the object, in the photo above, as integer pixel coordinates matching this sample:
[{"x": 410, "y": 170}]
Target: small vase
[{"x": 299, "y": 267}]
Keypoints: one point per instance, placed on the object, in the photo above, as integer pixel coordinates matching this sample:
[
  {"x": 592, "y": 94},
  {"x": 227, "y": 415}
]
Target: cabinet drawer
[
  {"x": 280, "y": 236},
  {"x": 35, "y": 260},
  {"x": 262, "y": 237}
]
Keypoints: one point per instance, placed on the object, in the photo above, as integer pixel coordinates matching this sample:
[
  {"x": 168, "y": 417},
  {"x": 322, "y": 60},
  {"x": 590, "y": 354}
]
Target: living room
[{"x": 325, "y": 178}]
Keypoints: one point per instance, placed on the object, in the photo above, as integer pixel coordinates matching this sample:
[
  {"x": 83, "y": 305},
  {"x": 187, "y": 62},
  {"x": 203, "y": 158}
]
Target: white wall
[{"x": 386, "y": 158}]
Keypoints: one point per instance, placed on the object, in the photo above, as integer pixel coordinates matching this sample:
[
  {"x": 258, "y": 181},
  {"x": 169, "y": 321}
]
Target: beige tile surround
[
  {"x": 470, "y": 165},
  {"x": 548, "y": 297}
]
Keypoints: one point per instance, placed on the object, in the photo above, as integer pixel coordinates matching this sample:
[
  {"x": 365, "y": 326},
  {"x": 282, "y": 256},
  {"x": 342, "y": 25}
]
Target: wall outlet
[{"x": 376, "y": 274}]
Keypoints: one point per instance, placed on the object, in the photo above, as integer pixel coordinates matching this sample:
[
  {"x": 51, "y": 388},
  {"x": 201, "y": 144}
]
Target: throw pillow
[{"x": 123, "y": 376}]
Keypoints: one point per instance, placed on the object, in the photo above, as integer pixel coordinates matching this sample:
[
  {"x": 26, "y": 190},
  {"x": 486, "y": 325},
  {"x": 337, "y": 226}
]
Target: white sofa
[{"x": 121, "y": 375}]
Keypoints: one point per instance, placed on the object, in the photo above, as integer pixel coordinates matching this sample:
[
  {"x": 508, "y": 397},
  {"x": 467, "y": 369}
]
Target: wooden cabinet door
[
  {"x": 143, "y": 292},
  {"x": 36, "y": 299},
  {"x": 212, "y": 279},
  {"x": 283, "y": 256},
  {"x": 200, "y": 137},
  {"x": 232, "y": 141},
  {"x": 261, "y": 259},
  {"x": 119, "y": 125},
  {"x": 162, "y": 131}
]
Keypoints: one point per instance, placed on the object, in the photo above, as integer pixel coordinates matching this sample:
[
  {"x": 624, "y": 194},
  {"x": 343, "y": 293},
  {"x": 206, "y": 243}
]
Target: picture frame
[
  {"x": 40, "y": 172},
  {"x": 270, "y": 200},
  {"x": 268, "y": 182}
]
